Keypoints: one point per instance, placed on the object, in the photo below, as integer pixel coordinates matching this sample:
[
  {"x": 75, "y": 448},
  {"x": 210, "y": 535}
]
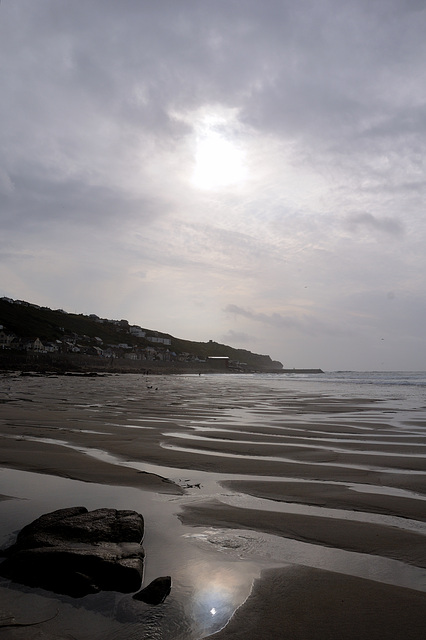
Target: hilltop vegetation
[{"x": 29, "y": 321}]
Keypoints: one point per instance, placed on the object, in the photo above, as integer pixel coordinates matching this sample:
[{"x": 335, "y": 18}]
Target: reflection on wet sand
[{"x": 202, "y": 580}]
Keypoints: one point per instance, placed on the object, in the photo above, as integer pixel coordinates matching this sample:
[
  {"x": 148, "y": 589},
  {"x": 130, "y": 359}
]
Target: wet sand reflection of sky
[{"x": 207, "y": 585}]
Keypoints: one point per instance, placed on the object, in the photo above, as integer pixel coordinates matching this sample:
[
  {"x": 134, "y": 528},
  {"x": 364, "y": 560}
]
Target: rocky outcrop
[
  {"x": 77, "y": 552},
  {"x": 156, "y": 592}
]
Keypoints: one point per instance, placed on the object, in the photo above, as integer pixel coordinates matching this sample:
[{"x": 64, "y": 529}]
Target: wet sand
[
  {"x": 338, "y": 473},
  {"x": 307, "y": 604}
]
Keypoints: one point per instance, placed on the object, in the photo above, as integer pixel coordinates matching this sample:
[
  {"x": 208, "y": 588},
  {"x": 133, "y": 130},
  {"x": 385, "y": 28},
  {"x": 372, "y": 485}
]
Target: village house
[
  {"x": 36, "y": 346},
  {"x": 109, "y": 352},
  {"x": 184, "y": 356},
  {"x": 93, "y": 351},
  {"x": 115, "y": 351},
  {"x": 52, "y": 347},
  {"x": 218, "y": 362},
  {"x": 158, "y": 339},
  {"x": 132, "y": 355},
  {"x": 137, "y": 331},
  {"x": 149, "y": 353},
  {"x": 6, "y": 339},
  {"x": 70, "y": 347}
]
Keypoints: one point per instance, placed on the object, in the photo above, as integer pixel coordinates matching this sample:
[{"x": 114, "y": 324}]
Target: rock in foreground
[
  {"x": 76, "y": 552},
  {"x": 156, "y": 592}
]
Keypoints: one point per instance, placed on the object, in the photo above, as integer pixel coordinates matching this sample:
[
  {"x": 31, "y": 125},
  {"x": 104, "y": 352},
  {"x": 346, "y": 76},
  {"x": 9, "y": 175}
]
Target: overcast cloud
[{"x": 242, "y": 171}]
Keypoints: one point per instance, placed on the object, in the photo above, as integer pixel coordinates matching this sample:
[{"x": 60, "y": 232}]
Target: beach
[{"x": 282, "y": 506}]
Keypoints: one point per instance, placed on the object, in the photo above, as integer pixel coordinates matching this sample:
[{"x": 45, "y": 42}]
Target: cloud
[
  {"x": 101, "y": 108},
  {"x": 389, "y": 226},
  {"x": 307, "y": 324},
  {"x": 238, "y": 337}
]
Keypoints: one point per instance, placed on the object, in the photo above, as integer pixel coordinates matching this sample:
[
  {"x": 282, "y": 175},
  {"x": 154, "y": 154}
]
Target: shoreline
[{"x": 42, "y": 364}]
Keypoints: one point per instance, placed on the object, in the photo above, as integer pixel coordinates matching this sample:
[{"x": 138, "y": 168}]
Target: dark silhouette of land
[{"x": 39, "y": 339}]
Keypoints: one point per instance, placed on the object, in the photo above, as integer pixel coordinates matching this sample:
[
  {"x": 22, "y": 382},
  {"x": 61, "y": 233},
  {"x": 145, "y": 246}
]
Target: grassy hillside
[
  {"x": 46, "y": 324},
  {"x": 28, "y": 321},
  {"x": 205, "y": 349}
]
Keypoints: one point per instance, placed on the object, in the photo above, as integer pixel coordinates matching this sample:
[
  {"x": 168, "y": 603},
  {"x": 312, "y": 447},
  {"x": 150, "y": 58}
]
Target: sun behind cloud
[{"x": 218, "y": 162}]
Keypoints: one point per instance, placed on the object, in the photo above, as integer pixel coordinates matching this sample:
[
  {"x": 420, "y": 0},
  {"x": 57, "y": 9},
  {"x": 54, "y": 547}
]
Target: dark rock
[
  {"x": 76, "y": 552},
  {"x": 77, "y": 524},
  {"x": 156, "y": 592}
]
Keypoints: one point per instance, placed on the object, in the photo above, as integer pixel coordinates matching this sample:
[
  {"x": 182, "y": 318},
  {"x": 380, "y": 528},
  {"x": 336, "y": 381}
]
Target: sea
[
  {"x": 358, "y": 379},
  {"x": 406, "y": 386}
]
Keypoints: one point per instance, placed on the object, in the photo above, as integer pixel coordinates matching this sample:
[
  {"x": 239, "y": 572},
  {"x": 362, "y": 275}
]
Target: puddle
[{"x": 207, "y": 586}]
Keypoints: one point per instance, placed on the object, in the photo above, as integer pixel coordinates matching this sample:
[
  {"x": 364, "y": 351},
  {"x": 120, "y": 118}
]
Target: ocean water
[
  {"x": 406, "y": 387},
  {"x": 379, "y": 382}
]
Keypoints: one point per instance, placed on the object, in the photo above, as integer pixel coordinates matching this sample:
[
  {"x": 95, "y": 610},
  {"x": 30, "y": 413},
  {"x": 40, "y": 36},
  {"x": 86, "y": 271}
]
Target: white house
[
  {"x": 136, "y": 331},
  {"x": 35, "y": 345},
  {"x": 158, "y": 340}
]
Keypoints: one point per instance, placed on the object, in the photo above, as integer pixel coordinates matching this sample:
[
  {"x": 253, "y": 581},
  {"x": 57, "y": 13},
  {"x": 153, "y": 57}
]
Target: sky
[{"x": 247, "y": 172}]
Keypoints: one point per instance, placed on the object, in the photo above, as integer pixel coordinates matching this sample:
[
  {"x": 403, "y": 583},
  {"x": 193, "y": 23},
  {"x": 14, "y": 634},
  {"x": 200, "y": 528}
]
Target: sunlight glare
[{"x": 218, "y": 162}]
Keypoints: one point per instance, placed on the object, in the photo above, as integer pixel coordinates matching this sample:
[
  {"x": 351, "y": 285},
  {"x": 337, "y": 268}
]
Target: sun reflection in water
[{"x": 218, "y": 592}]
